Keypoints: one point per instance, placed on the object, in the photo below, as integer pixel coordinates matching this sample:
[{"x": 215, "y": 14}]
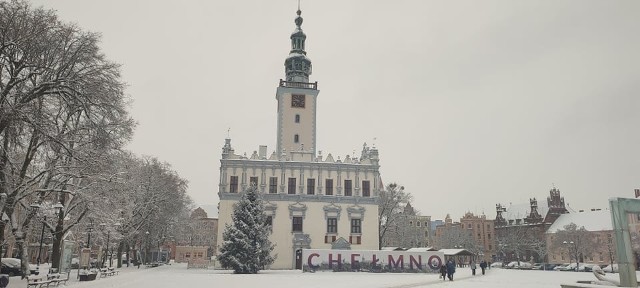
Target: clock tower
[{"x": 297, "y": 100}]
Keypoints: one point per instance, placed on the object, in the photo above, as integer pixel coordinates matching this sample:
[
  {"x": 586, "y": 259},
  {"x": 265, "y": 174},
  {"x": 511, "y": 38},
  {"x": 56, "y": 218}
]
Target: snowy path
[{"x": 178, "y": 275}]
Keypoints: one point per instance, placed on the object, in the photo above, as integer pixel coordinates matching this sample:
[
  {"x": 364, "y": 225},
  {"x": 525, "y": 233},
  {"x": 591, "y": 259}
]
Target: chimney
[{"x": 262, "y": 152}]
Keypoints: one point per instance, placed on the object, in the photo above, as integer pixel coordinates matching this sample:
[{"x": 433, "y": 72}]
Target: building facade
[
  {"x": 409, "y": 230},
  {"x": 531, "y": 219},
  {"x": 483, "y": 233},
  {"x": 311, "y": 200},
  {"x": 597, "y": 224}
]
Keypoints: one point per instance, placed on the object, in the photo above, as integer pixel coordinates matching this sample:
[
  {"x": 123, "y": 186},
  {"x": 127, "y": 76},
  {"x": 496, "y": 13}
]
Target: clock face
[{"x": 297, "y": 101}]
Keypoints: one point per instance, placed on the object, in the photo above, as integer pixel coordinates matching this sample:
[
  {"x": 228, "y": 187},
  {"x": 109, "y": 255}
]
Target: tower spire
[{"x": 297, "y": 65}]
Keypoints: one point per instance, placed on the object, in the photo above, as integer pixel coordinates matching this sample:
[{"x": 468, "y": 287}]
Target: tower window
[
  {"x": 297, "y": 118},
  {"x": 296, "y": 138}
]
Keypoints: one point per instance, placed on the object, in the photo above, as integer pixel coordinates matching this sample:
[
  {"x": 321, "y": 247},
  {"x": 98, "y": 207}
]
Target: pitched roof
[{"x": 591, "y": 220}]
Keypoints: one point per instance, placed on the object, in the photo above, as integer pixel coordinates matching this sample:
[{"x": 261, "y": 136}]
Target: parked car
[
  {"x": 570, "y": 267},
  {"x": 537, "y": 266},
  {"x": 549, "y": 266},
  {"x": 497, "y": 265},
  {"x": 11, "y": 267},
  {"x": 561, "y": 267},
  {"x": 516, "y": 265},
  {"x": 611, "y": 269},
  {"x": 525, "y": 266},
  {"x": 586, "y": 267}
]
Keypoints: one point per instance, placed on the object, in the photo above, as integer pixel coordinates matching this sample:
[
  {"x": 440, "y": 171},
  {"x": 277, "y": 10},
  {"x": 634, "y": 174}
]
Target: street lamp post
[
  {"x": 41, "y": 240},
  {"x": 146, "y": 248},
  {"x": 89, "y": 229}
]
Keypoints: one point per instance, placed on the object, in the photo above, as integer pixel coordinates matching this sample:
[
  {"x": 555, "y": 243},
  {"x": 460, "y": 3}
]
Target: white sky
[
  {"x": 178, "y": 275},
  {"x": 472, "y": 103}
]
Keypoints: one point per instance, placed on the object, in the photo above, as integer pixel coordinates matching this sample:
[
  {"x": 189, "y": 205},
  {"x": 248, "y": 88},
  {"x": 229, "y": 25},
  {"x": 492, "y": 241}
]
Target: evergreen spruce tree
[{"x": 245, "y": 244}]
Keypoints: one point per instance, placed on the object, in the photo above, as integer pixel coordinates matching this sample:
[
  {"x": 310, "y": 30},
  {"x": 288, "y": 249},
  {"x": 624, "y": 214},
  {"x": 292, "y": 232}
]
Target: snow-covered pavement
[{"x": 177, "y": 275}]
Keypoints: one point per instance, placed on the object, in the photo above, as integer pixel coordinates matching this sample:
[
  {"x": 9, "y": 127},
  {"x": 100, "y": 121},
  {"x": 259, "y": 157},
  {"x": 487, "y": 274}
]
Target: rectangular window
[
  {"x": 311, "y": 186},
  {"x": 347, "y": 188},
  {"x": 332, "y": 225},
  {"x": 273, "y": 185},
  {"x": 329, "y": 239},
  {"x": 297, "y": 224},
  {"x": 355, "y": 239},
  {"x": 366, "y": 189},
  {"x": 489, "y": 246},
  {"x": 355, "y": 226},
  {"x": 233, "y": 187},
  {"x": 328, "y": 187},
  {"x": 489, "y": 236},
  {"x": 253, "y": 181},
  {"x": 292, "y": 186}
]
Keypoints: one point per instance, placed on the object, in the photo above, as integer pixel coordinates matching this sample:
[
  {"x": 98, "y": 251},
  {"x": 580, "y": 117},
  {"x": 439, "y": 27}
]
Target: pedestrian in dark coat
[
  {"x": 483, "y": 265},
  {"x": 451, "y": 268},
  {"x": 443, "y": 271}
]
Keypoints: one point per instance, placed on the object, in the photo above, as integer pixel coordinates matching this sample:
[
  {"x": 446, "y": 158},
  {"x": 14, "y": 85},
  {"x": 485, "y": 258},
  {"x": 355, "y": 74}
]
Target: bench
[
  {"x": 56, "y": 279},
  {"x": 104, "y": 272},
  {"x": 37, "y": 281}
]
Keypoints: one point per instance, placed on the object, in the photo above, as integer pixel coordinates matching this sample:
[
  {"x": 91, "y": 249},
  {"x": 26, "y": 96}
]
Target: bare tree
[
  {"x": 578, "y": 241},
  {"x": 390, "y": 204},
  {"x": 62, "y": 109},
  {"x": 517, "y": 240}
]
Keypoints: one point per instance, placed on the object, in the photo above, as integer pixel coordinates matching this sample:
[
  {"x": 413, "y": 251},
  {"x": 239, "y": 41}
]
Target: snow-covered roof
[
  {"x": 454, "y": 252},
  {"x": 392, "y": 248},
  {"x": 591, "y": 220},
  {"x": 421, "y": 249},
  {"x": 522, "y": 210}
]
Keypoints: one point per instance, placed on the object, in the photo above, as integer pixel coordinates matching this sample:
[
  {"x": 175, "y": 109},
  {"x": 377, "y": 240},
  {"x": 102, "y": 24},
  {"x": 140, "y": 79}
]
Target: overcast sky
[{"x": 472, "y": 103}]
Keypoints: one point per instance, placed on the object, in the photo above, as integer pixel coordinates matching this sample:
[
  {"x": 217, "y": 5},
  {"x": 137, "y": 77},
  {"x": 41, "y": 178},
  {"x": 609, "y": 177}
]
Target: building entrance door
[{"x": 298, "y": 258}]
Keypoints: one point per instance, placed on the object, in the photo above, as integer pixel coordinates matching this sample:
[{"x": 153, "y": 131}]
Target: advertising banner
[{"x": 371, "y": 260}]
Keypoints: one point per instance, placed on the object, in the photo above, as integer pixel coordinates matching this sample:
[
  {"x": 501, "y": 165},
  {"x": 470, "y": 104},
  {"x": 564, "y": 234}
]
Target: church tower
[{"x": 297, "y": 100}]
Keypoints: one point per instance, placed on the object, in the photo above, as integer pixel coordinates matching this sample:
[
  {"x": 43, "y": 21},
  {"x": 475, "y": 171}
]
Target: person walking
[
  {"x": 473, "y": 268},
  {"x": 483, "y": 265},
  {"x": 451, "y": 268},
  {"x": 443, "y": 271}
]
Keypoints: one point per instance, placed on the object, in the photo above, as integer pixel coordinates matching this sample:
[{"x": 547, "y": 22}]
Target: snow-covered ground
[{"x": 177, "y": 275}]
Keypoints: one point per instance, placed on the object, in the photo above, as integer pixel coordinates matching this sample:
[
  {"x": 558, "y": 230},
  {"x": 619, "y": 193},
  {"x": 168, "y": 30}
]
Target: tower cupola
[{"x": 297, "y": 65}]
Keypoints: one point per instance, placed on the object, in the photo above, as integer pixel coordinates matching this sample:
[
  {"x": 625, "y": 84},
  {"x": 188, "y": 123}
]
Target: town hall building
[{"x": 312, "y": 200}]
